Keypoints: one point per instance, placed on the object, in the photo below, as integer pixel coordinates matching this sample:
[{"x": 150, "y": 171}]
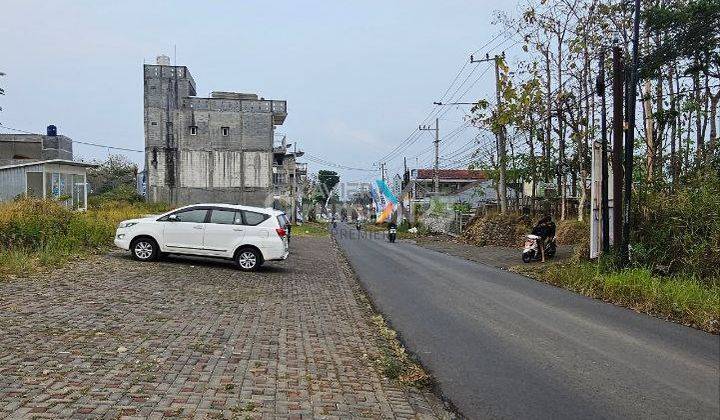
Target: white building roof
[{"x": 50, "y": 161}]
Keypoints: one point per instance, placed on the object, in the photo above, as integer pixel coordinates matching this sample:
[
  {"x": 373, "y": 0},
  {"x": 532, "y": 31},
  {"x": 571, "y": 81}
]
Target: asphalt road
[{"x": 504, "y": 346}]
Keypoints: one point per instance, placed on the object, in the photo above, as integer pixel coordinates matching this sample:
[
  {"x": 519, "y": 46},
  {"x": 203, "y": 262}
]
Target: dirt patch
[{"x": 497, "y": 230}]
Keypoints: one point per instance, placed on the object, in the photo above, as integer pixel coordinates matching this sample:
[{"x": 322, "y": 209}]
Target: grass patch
[
  {"x": 42, "y": 233},
  {"x": 312, "y": 229},
  {"x": 685, "y": 300},
  {"x": 394, "y": 361}
]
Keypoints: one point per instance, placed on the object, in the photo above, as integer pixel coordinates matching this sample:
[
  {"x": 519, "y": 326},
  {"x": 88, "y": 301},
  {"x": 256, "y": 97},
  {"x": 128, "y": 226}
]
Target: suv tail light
[{"x": 281, "y": 232}]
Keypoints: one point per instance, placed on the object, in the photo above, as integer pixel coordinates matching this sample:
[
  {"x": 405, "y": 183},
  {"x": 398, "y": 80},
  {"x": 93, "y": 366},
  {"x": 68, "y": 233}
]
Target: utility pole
[
  {"x": 604, "y": 162},
  {"x": 630, "y": 138},
  {"x": 293, "y": 195},
  {"x": 436, "y": 174},
  {"x": 405, "y": 178},
  {"x": 617, "y": 146},
  {"x": 382, "y": 171},
  {"x": 502, "y": 161}
]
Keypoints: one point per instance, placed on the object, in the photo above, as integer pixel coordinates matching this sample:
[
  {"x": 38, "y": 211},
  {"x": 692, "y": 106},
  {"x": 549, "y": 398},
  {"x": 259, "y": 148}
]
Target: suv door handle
[
  {"x": 238, "y": 229},
  {"x": 198, "y": 227}
]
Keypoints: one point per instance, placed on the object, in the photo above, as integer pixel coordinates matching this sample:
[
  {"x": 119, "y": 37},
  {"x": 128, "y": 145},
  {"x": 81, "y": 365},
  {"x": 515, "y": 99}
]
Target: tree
[
  {"x": 116, "y": 171},
  {"x": 326, "y": 181}
]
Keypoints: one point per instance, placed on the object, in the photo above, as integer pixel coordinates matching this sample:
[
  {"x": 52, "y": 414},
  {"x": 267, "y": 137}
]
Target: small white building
[{"x": 64, "y": 180}]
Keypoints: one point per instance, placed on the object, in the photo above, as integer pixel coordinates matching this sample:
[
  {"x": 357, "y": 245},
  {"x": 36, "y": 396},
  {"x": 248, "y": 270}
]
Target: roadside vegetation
[
  {"x": 35, "y": 234},
  {"x": 314, "y": 229},
  {"x": 683, "y": 299}
]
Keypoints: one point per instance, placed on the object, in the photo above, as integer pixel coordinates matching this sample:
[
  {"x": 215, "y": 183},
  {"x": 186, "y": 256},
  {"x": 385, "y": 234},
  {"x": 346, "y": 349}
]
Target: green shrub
[
  {"x": 37, "y": 233},
  {"x": 120, "y": 194},
  {"x": 683, "y": 299},
  {"x": 679, "y": 232}
]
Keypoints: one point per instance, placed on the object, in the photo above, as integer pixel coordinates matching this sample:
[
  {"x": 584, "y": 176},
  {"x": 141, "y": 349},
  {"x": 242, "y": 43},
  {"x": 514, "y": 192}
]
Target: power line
[
  {"x": 104, "y": 146},
  {"x": 321, "y": 161},
  {"x": 414, "y": 135}
]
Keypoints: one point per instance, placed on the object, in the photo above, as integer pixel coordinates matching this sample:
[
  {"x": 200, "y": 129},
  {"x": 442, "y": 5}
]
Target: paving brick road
[{"x": 110, "y": 337}]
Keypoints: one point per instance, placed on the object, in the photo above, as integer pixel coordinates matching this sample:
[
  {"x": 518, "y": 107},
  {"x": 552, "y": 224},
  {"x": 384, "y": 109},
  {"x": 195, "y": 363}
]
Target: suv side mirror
[{"x": 173, "y": 218}]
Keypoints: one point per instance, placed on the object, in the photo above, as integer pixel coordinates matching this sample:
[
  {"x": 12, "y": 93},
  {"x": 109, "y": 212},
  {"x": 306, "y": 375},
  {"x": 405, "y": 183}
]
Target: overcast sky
[{"x": 358, "y": 76}]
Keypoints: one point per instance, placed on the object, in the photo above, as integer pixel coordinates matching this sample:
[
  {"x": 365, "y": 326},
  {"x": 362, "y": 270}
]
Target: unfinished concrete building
[
  {"x": 216, "y": 149},
  {"x": 22, "y": 148}
]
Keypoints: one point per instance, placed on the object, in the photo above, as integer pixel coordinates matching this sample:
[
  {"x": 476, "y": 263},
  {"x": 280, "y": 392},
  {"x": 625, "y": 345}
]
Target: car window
[
  {"x": 225, "y": 217},
  {"x": 252, "y": 218},
  {"x": 192, "y": 216},
  {"x": 283, "y": 220}
]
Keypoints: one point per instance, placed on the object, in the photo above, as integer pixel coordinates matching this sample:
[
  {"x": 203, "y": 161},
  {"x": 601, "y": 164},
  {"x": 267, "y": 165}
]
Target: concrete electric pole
[
  {"x": 617, "y": 146},
  {"x": 501, "y": 141},
  {"x": 604, "y": 162},
  {"x": 436, "y": 174}
]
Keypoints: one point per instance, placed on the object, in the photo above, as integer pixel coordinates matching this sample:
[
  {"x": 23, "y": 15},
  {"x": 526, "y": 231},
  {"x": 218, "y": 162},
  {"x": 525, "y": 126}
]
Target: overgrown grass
[
  {"x": 685, "y": 300},
  {"x": 42, "y": 233},
  {"x": 314, "y": 229}
]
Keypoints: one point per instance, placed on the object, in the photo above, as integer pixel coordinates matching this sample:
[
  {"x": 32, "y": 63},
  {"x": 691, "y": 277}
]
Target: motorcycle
[
  {"x": 392, "y": 234},
  {"x": 531, "y": 250}
]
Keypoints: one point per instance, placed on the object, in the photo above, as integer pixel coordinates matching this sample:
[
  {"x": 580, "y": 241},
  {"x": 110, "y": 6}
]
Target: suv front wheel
[
  {"x": 248, "y": 259},
  {"x": 144, "y": 249}
]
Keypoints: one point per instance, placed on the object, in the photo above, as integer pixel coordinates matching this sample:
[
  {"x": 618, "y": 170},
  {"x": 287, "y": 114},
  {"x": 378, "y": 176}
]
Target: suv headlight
[{"x": 126, "y": 224}]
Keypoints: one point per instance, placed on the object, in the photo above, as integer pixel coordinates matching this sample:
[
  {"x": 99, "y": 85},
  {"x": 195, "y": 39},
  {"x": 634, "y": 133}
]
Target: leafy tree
[
  {"x": 116, "y": 171},
  {"x": 326, "y": 181}
]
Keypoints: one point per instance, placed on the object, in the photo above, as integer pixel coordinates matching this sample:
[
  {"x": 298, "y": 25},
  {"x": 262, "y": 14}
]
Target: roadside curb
[{"x": 445, "y": 406}]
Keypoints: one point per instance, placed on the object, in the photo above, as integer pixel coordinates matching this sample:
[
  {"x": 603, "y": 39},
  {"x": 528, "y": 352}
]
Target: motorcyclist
[
  {"x": 392, "y": 225},
  {"x": 544, "y": 228}
]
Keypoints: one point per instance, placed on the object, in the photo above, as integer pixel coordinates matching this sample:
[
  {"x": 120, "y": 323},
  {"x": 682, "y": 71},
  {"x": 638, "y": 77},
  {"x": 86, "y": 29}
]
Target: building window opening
[
  {"x": 225, "y": 131},
  {"x": 193, "y": 130}
]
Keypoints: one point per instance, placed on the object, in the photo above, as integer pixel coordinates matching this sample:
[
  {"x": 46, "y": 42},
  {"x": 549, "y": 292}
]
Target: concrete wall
[
  {"x": 33, "y": 146},
  {"x": 185, "y": 168}
]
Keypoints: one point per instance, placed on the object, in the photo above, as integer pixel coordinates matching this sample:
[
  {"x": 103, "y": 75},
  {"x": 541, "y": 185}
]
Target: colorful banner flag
[{"x": 388, "y": 201}]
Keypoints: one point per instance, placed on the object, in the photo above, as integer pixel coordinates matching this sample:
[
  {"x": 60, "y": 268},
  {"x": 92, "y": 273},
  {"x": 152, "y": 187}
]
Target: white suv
[{"x": 247, "y": 235}]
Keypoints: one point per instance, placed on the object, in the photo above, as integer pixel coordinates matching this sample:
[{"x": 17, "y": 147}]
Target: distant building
[
  {"x": 469, "y": 186},
  {"x": 451, "y": 181},
  {"x": 23, "y": 148},
  {"x": 348, "y": 190},
  {"x": 216, "y": 149},
  {"x": 41, "y": 166},
  {"x": 289, "y": 176}
]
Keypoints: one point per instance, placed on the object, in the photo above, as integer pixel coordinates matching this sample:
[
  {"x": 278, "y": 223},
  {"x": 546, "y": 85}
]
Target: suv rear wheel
[
  {"x": 248, "y": 259},
  {"x": 144, "y": 249}
]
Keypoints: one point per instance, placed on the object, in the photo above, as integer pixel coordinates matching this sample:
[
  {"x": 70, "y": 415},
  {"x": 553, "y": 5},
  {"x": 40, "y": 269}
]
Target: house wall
[
  {"x": 183, "y": 168},
  {"x": 33, "y": 146},
  {"x": 13, "y": 180}
]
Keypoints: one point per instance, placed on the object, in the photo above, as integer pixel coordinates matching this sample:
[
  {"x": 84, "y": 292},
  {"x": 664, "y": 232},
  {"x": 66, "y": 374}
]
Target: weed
[
  {"x": 686, "y": 300},
  {"x": 42, "y": 233}
]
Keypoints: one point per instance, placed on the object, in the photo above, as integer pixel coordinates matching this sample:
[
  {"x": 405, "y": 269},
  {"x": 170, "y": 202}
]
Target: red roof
[{"x": 451, "y": 174}]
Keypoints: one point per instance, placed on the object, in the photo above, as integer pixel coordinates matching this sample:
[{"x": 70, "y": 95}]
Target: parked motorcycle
[
  {"x": 392, "y": 234},
  {"x": 532, "y": 251}
]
